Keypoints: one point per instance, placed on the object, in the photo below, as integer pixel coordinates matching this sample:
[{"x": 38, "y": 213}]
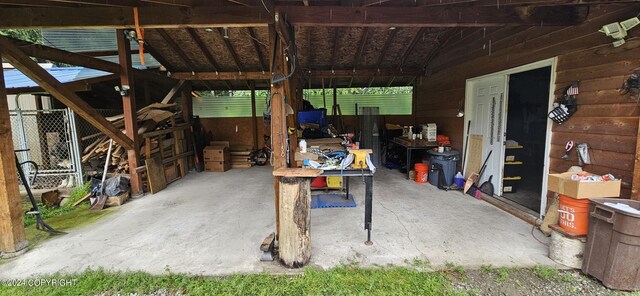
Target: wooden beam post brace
[{"x": 31, "y": 69}]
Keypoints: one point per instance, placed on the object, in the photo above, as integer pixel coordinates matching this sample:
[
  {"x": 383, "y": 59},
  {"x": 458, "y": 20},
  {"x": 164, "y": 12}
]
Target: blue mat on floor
[{"x": 332, "y": 201}]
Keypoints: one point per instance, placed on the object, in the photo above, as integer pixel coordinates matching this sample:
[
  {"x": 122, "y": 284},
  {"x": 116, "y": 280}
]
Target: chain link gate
[{"x": 52, "y": 141}]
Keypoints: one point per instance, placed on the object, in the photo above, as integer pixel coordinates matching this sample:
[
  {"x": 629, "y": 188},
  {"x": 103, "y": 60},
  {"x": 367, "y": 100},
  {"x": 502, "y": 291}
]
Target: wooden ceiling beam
[
  {"x": 362, "y": 73},
  {"x": 207, "y": 53},
  {"x": 36, "y": 3},
  {"x": 411, "y": 46},
  {"x": 451, "y": 16},
  {"x": 385, "y": 47},
  {"x": 122, "y": 17},
  {"x": 50, "y": 84},
  {"x": 176, "y": 48},
  {"x": 231, "y": 50},
  {"x": 256, "y": 46},
  {"x": 256, "y": 75},
  {"x": 361, "y": 45},
  {"x": 334, "y": 43},
  {"x": 221, "y": 75}
]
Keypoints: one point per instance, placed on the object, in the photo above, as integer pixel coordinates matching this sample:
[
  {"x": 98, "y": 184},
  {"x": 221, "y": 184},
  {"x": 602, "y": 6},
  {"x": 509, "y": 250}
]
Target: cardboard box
[
  {"x": 217, "y": 166},
  {"x": 216, "y": 153},
  {"x": 562, "y": 184}
]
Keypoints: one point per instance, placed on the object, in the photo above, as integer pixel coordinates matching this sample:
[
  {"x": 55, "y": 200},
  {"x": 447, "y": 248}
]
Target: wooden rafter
[
  {"x": 256, "y": 75},
  {"x": 231, "y": 50},
  {"x": 385, "y": 47},
  {"x": 121, "y": 18},
  {"x": 411, "y": 46},
  {"x": 361, "y": 45},
  {"x": 450, "y": 16},
  {"x": 173, "y": 92},
  {"x": 32, "y": 70},
  {"x": 207, "y": 53},
  {"x": 256, "y": 46},
  {"x": 334, "y": 43},
  {"x": 176, "y": 48}
]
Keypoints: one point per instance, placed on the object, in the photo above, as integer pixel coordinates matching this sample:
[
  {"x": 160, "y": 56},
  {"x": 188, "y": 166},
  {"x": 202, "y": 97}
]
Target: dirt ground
[{"x": 536, "y": 281}]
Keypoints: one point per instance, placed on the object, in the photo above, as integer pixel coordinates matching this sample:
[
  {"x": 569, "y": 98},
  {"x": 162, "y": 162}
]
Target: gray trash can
[{"x": 447, "y": 162}]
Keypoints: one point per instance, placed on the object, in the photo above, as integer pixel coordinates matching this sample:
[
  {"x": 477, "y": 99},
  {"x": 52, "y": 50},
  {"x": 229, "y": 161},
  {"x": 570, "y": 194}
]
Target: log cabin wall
[{"x": 605, "y": 120}]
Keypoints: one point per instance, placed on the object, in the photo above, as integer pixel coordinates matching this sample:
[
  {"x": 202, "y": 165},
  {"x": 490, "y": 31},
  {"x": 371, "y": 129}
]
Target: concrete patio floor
[{"x": 213, "y": 223}]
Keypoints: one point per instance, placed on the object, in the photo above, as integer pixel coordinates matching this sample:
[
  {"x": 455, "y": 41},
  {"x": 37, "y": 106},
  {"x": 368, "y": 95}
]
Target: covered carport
[{"x": 286, "y": 47}]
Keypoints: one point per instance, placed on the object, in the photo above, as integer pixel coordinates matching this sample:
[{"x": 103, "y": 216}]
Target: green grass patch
[
  {"x": 75, "y": 194},
  {"x": 545, "y": 272},
  {"x": 503, "y": 274},
  {"x": 343, "y": 280}
]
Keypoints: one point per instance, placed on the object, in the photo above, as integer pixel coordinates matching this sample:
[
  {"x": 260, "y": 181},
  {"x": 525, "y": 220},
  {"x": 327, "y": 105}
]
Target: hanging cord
[{"x": 139, "y": 35}]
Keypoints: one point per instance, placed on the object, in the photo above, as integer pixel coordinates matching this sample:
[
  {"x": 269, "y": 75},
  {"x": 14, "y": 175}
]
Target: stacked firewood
[{"x": 150, "y": 118}]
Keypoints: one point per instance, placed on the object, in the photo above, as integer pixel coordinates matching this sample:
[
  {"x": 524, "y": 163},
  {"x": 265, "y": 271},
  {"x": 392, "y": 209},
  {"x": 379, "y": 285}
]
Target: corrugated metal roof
[
  {"x": 15, "y": 78},
  {"x": 87, "y": 40}
]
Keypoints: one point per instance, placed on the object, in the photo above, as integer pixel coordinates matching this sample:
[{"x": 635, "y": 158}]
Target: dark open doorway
[{"x": 527, "y": 125}]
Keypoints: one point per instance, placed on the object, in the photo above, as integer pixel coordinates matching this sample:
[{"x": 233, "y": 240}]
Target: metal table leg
[
  {"x": 368, "y": 205},
  {"x": 346, "y": 183},
  {"x": 408, "y": 163}
]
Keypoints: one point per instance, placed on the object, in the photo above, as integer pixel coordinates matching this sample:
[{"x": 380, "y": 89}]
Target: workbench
[
  {"x": 367, "y": 175},
  {"x": 410, "y": 147}
]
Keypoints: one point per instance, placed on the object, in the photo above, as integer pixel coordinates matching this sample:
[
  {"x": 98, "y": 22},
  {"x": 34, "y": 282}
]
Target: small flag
[{"x": 573, "y": 89}]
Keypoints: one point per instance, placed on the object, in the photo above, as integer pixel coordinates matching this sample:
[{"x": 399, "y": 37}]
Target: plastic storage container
[
  {"x": 574, "y": 214},
  {"x": 334, "y": 182},
  {"x": 613, "y": 244},
  {"x": 447, "y": 160},
  {"x": 318, "y": 117}
]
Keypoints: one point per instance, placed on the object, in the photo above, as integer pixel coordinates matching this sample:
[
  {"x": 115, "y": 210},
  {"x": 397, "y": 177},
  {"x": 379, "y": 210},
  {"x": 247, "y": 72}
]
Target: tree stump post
[{"x": 295, "y": 216}]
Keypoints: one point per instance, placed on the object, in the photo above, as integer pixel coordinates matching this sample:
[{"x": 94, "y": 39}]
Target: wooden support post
[
  {"x": 187, "y": 102},
  {"x": 12, "y": 235},
  {"x": 295, "y": 215},
  {"x": 278, "y": 118},
  {"x": 254, "y": 119},
  {"x": 635, "y": 185},
  {"x": 187, "y": 115},
  {"x": 130, "y": 111},
  {"x": 335, "y": 101}
]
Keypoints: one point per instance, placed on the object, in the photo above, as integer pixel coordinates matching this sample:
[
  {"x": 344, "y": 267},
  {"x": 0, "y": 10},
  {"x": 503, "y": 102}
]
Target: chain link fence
[{"x": 50, "y": 140}]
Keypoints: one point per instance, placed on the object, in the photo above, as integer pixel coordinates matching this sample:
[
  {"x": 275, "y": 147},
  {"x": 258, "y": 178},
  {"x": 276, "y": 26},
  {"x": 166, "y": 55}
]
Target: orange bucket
[
  {"x": 422, "y": 172},
  {"x": 574, "y": 214}
]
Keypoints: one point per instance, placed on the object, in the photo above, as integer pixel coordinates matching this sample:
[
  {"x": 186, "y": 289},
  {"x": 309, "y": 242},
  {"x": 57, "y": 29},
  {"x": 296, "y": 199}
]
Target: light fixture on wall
[
  {"x": 460, "y": 110},
  {"x": 618, "y": 31},
  {"x": 208, "y": 29},
  {"x": 225, "y": 32}
]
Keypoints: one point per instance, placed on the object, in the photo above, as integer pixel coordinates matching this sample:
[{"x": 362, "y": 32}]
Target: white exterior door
[{"x": 487, "y": 112}]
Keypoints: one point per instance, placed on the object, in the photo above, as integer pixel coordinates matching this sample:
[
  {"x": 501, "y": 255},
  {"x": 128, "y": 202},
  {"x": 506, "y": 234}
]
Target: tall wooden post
[
  {"x": 187, "y": 102},
  {"x": 254, "y": 119},
  {"x": 635, "y": 185},
  {"x": 129, "y": 109},
  {"x": 278, "y": 118},
  {"x": 12, "y": 236}
]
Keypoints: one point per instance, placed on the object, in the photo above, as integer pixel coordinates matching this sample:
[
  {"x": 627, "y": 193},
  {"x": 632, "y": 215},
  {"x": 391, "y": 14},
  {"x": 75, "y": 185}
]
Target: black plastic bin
[
  {"x": 613, "y": 244},
  {"x": 447, "y": 160}
]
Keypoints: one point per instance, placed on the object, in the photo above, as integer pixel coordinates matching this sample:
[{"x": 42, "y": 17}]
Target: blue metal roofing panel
[{"x": 15, "y": 79}]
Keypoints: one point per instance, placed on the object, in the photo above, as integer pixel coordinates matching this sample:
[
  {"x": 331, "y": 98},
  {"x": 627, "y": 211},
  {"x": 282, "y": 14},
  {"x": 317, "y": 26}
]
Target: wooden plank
[
  {"x": 295, "y": 218},
  {"x": 221, "y": 75},
  {"x": 362, "y": 73},
  {"x": 609, "y": 110},
  {"x": 432, "y": 16},
  {"x": 122, "y": 18},
  {"x": 473, "y": 155},
  {"x": 604, "y": 70},
  {"x": 12, "y": 238},
  {"x": 297, "y": 172},
  {"x": 32, "y": 70},
  {"x": 171, "y": 95},
  {"x": 607, "y": 96},
  {"x": 635, "y": 190},
  {"x": 617, "y": 160},
  {"x": 599, "y": 125},
  {"x": 613, "y": 143},
  {"x": 157, "y": 179}
]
